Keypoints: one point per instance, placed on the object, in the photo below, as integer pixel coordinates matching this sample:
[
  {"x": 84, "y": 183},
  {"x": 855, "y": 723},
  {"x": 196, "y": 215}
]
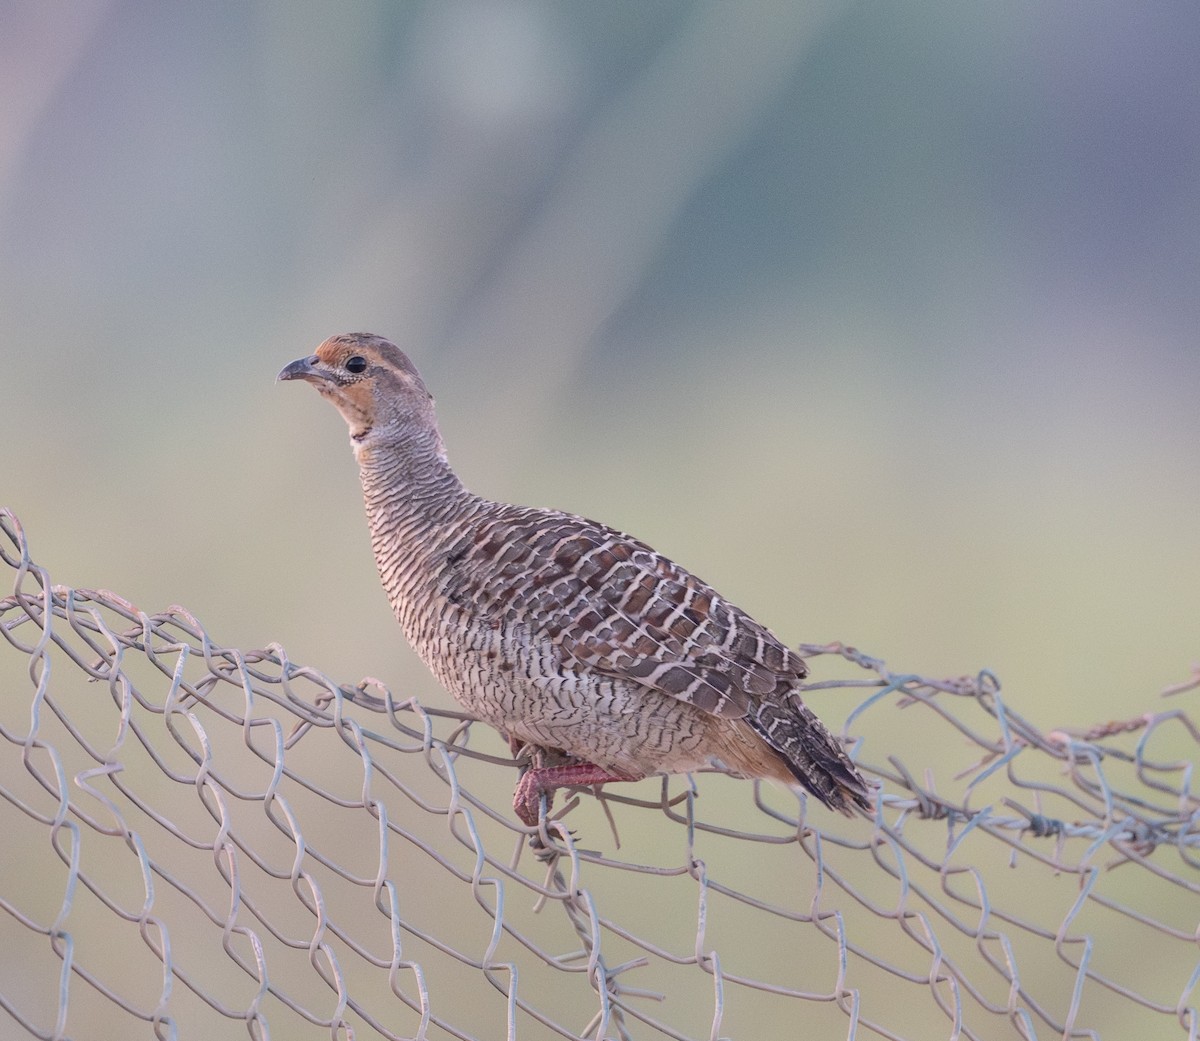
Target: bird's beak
[{"x": 302, "y": 369}]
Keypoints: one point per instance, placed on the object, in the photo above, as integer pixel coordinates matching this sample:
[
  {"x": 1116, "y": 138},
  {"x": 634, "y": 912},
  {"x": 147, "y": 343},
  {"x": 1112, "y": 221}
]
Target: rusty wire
[{"x": 207, "y": 840}]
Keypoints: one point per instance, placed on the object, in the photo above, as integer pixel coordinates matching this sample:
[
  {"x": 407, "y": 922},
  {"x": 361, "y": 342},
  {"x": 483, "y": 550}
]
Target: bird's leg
[
  {"x": 548, "y": 770},
  {"x": 541, "y": 780}
]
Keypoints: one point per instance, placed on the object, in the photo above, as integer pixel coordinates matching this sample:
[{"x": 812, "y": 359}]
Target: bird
[{"x": 569, "y": 637}]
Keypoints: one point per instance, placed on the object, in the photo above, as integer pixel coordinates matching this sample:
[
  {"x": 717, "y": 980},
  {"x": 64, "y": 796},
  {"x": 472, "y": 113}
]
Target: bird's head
[{"x": 374, "y": 386}]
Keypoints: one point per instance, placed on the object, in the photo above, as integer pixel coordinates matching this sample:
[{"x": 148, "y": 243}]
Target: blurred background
[{"x": 882, "y": 318}]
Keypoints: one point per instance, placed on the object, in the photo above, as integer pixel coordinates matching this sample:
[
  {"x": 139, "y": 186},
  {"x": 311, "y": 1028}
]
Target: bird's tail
[{"x": 814, "y": 756}]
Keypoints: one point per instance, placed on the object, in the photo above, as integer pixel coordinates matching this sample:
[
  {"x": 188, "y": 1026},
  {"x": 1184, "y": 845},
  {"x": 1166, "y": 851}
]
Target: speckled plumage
[{"x": 560, "y": 632}]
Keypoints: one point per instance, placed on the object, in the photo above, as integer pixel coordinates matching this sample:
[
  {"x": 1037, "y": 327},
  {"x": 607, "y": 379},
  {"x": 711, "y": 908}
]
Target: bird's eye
[{"x": 356, "y": 364}]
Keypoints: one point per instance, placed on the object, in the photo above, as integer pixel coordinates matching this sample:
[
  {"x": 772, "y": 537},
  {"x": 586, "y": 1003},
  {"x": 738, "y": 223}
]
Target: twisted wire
[{"x": 198, "y": 834}]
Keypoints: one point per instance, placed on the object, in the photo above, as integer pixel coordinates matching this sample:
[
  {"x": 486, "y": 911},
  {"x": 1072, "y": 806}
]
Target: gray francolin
[{"x": 562, "y": 633}]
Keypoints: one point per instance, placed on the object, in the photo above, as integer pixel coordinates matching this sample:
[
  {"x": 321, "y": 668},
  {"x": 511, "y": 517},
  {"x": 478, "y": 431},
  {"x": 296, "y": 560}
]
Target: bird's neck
[
  {"x": 413, "y": 498},
  {"x": 405, "y": 484}
]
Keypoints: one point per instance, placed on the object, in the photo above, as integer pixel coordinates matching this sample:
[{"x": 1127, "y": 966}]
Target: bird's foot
[{"x": 544, "y": 780}]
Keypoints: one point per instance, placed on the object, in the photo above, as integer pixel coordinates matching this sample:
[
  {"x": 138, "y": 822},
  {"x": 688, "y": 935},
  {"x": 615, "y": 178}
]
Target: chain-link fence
[{"x": 202, "y": 841}]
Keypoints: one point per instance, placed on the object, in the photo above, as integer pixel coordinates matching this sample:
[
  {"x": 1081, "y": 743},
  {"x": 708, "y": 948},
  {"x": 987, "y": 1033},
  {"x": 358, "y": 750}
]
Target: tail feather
[{"x": 814, "y": 756}]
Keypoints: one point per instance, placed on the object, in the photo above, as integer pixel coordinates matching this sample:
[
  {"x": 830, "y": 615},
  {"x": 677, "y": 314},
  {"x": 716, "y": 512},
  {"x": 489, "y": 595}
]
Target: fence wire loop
[{"x": 207, "y": 835}]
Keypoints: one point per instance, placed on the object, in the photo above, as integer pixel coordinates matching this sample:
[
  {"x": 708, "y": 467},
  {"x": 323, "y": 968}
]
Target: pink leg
[{"x": 545, "y": 779}]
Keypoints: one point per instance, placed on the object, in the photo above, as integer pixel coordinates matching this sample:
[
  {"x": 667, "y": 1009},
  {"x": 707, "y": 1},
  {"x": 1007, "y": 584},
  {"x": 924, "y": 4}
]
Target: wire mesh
[{"x": 209, "y": 840}]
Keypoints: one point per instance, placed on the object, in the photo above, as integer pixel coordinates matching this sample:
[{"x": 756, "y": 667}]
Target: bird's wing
[{"x": 615, "y": 605}]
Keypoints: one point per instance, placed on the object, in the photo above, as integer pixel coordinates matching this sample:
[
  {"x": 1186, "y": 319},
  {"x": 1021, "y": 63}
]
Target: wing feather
[{"x": 613, "y": 604}]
